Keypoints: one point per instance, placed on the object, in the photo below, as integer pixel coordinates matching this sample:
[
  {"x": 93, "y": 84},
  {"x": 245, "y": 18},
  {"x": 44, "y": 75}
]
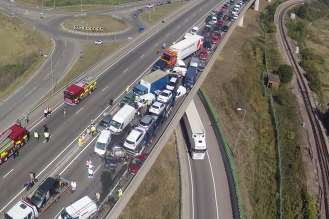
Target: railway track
[{"x": 319, "y": 136}]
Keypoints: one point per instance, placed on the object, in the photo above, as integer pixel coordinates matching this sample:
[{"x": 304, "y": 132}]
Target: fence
[{"x": 228, "y": 159}]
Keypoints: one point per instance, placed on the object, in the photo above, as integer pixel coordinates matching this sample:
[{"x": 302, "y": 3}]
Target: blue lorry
[
  {"x": 190, "y": 77},
  {"x": 152, "y": 82}
]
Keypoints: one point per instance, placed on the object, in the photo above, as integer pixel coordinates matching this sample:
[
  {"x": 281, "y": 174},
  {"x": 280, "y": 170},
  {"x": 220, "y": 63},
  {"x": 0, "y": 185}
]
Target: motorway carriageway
[{"x": 39, "y": 157}]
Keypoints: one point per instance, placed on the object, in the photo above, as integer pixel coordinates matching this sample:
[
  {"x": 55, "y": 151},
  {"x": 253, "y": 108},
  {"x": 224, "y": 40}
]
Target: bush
[{"x": 285, "y": 73}]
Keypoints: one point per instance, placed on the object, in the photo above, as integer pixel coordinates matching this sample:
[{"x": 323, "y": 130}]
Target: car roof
[
  {"x": 166, "y": 91},
  {"x": 134, "y": 134},
  {"x": 104, "y": 136},
  {"x": 157, "y": 103},
  {"x": 47, "y": 184},
  {"x": 147, "y": 119},
  {"x": 107, "y": 118}
]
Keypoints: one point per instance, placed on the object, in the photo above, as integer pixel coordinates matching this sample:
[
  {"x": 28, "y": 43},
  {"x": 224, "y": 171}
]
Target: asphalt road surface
[
  {"x": 37, "y": 157},
  {"x": 67, "y": 50},
  {"x": 209, "y": 191}
]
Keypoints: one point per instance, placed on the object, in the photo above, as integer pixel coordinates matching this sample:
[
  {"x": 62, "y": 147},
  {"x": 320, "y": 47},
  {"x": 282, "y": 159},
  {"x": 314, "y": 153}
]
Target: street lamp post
[
  {"x": 243, "y": 118},
  {"x": 51, "y": 73}
]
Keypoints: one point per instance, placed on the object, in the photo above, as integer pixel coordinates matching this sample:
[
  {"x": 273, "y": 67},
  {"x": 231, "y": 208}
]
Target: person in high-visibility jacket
[
  {"x": 93, "y": 129},
  {"x": 47, "y": 136}
]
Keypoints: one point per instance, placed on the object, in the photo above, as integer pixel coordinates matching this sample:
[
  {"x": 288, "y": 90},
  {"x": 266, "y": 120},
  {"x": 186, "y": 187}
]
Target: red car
[
  {"x": 136, "y": 164},
  {"x": 220, "y": 22},
  {"x": 215, "y": 39},
  {"x": 203, "y": 54}
]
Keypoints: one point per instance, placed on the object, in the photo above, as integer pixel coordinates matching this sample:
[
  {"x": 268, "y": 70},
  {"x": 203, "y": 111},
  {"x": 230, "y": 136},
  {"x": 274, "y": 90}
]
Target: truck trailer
[
  {"x": 152, "y": 82},
  {"x": 39, "y": 200},
  {"x": 12, "y": 140},
  {"x": 195, "y": 131},
  {"x": 74, "y": 93},
  {"x": 179, "y": 51}
]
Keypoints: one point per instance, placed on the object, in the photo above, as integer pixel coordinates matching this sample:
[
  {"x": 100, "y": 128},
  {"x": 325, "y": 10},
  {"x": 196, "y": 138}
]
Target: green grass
[
  {"x": 21, "y": 47},
  {"x": 61, "y": 3},
  {"x": 109, "y": 23},
  {"x": 154, "y": 15},
  {"x": 310, "y": 31},
  {"x": 235, "y": 81},
  {"x": 158, "y": 196},
  {"x": 91, "y": 54}
]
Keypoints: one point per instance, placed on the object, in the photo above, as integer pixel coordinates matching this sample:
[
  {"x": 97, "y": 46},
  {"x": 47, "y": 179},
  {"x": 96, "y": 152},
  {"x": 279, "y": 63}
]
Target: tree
[{"x": 285, "y": 73}]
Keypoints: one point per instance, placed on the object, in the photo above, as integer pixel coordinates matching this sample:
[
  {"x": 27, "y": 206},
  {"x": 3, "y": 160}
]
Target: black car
[
  {"x": 225, "y": 17},
  {"x": 217, "y": 29},
  {"x": 207, "y": 44},
  {"x": 225, "y": 28},
  {"x": 104, "y": 123},
  {"x": 208, "y": 19},
  {"x": 220, "y": 14}
]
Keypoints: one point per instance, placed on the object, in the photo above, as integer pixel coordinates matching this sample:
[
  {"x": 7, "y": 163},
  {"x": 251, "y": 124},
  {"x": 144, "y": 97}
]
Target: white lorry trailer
[{"x": 196, "y": 132}]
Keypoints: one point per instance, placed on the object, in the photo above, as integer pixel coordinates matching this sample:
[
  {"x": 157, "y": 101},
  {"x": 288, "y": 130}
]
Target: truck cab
[{"x": 22, "y": 210}]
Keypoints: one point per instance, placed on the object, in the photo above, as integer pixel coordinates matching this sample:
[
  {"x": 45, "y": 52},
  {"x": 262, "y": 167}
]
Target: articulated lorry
[
  {"x": 195, "y": 131},
  {"x": 37, "y": 201},
  {"x": 179, "y": 51},
  {"x": 12, "y": 140},
  {"x": 152, "y": 82},
  {"x": 74, "y": 93}
]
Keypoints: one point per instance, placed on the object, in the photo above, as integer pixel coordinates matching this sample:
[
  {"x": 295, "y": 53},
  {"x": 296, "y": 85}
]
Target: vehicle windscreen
[
  {"x": 100, "y": 146},
  {"x": 130, "y": 142},
  {"x": 146, "y": 123},
  {"x": 37, "y": 197},
  {"x": 65, "y": 215},
  {"x": 165, "y": 94},
  {"x": 104, "y": 123},
  {"x": 8, "y": 217},
  {"x": 199, "y": 151},
  {"x": 166, "y": 57},
  {"x": 68, "y": 95},
  {"x": 115, "y": 124}
]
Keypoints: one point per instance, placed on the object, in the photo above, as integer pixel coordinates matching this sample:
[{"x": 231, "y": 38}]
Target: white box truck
[
  {"x": 195, "y": 131},
  {"x": 84, "y": 208},
  {"x": 122, "y": 119},
  {"x": 187, "y": 46}
]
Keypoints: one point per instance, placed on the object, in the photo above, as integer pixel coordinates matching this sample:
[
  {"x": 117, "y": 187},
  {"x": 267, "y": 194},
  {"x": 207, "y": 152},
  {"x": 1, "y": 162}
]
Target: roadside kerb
[
  {"x": 55, "y": 101},
  {"x": 137, "y": 180}
]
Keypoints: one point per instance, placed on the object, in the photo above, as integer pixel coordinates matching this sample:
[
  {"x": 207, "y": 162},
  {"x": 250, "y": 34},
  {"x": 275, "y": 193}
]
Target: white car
[
  {"x": 235, "y": 16},
  {"x": 133, "y": 142},
  {"x": 165, "y": 96},
  {"x": 145, "y": 100},
  {"x": 157, "y": 108},
  {"x": 181, "y": 91},
  {"x": 98, "y": 42},
  {"x": 172, "y": 84},
  {"x": 195, "y": 30},
  {"x": 149, "y": 6}
]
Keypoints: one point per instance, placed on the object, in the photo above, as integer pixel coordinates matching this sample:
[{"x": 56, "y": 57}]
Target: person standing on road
[
  {"x": 73, "y": 186},
  {"x": 47, "y": 136},
  {"x": 45, "y": 112},
  {"x": 45, "y": 128},
  {"x": 36, "y": 135}
]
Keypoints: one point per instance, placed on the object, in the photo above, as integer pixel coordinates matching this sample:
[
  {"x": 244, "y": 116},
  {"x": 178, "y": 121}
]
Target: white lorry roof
[
  {"x": 198, "y": 132},
  {"x": 104, "y": 136},
  {"x": 81, "y": 207},
  {"x": 21, "y": 210},
  {"x": 186, "y": 42},
  {"x": 123, "y": 112},
  {"x": 154, "y": 76}
]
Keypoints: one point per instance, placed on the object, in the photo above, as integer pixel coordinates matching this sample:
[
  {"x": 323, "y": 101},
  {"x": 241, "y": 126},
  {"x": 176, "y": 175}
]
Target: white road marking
[
  {"x": 213, "y": 182},
  {"x": 97, "y": 168},
  {"x": 191, "y": 179},
  {"x": 79, "y": 110},
  {"x": 124, "y": 71},
  {"x": 7, "y": 174},
  {"x": 30, "y": 92},
  {"x": 67, "y": 166},
  {"x": 104, "y": 71},
  {"x": 106, "y": 87}
]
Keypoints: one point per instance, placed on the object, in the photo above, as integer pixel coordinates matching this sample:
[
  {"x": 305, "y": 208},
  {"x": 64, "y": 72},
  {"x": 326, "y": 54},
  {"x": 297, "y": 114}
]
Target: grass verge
[
  {"x": 155, "y": 14},
  {"x": 310, "y": 31},
  {"x": 90, "y": 55},
  {"x": 109, "y": 23},
  {"x": 158, "y": 196},
  {"x": 21, "y": 48},
  {"x": 236, "y": 81},
  {"x": 62, "y": 3}
]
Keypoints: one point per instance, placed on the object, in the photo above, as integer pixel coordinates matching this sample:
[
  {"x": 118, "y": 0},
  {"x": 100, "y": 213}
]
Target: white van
[
  {"x": 122, "y": 119},
  {"x": 102, "y": 142},
  {"x": 84, "y": 208}
]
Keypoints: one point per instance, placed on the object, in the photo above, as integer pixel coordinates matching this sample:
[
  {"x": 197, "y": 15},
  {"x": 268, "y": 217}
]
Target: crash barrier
[
  {"x": 115, "y": 57},
  {"x": 228, "y": 158},
  {"x": 88, "y": 28},
  {"x": 175, "y": 117}
]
